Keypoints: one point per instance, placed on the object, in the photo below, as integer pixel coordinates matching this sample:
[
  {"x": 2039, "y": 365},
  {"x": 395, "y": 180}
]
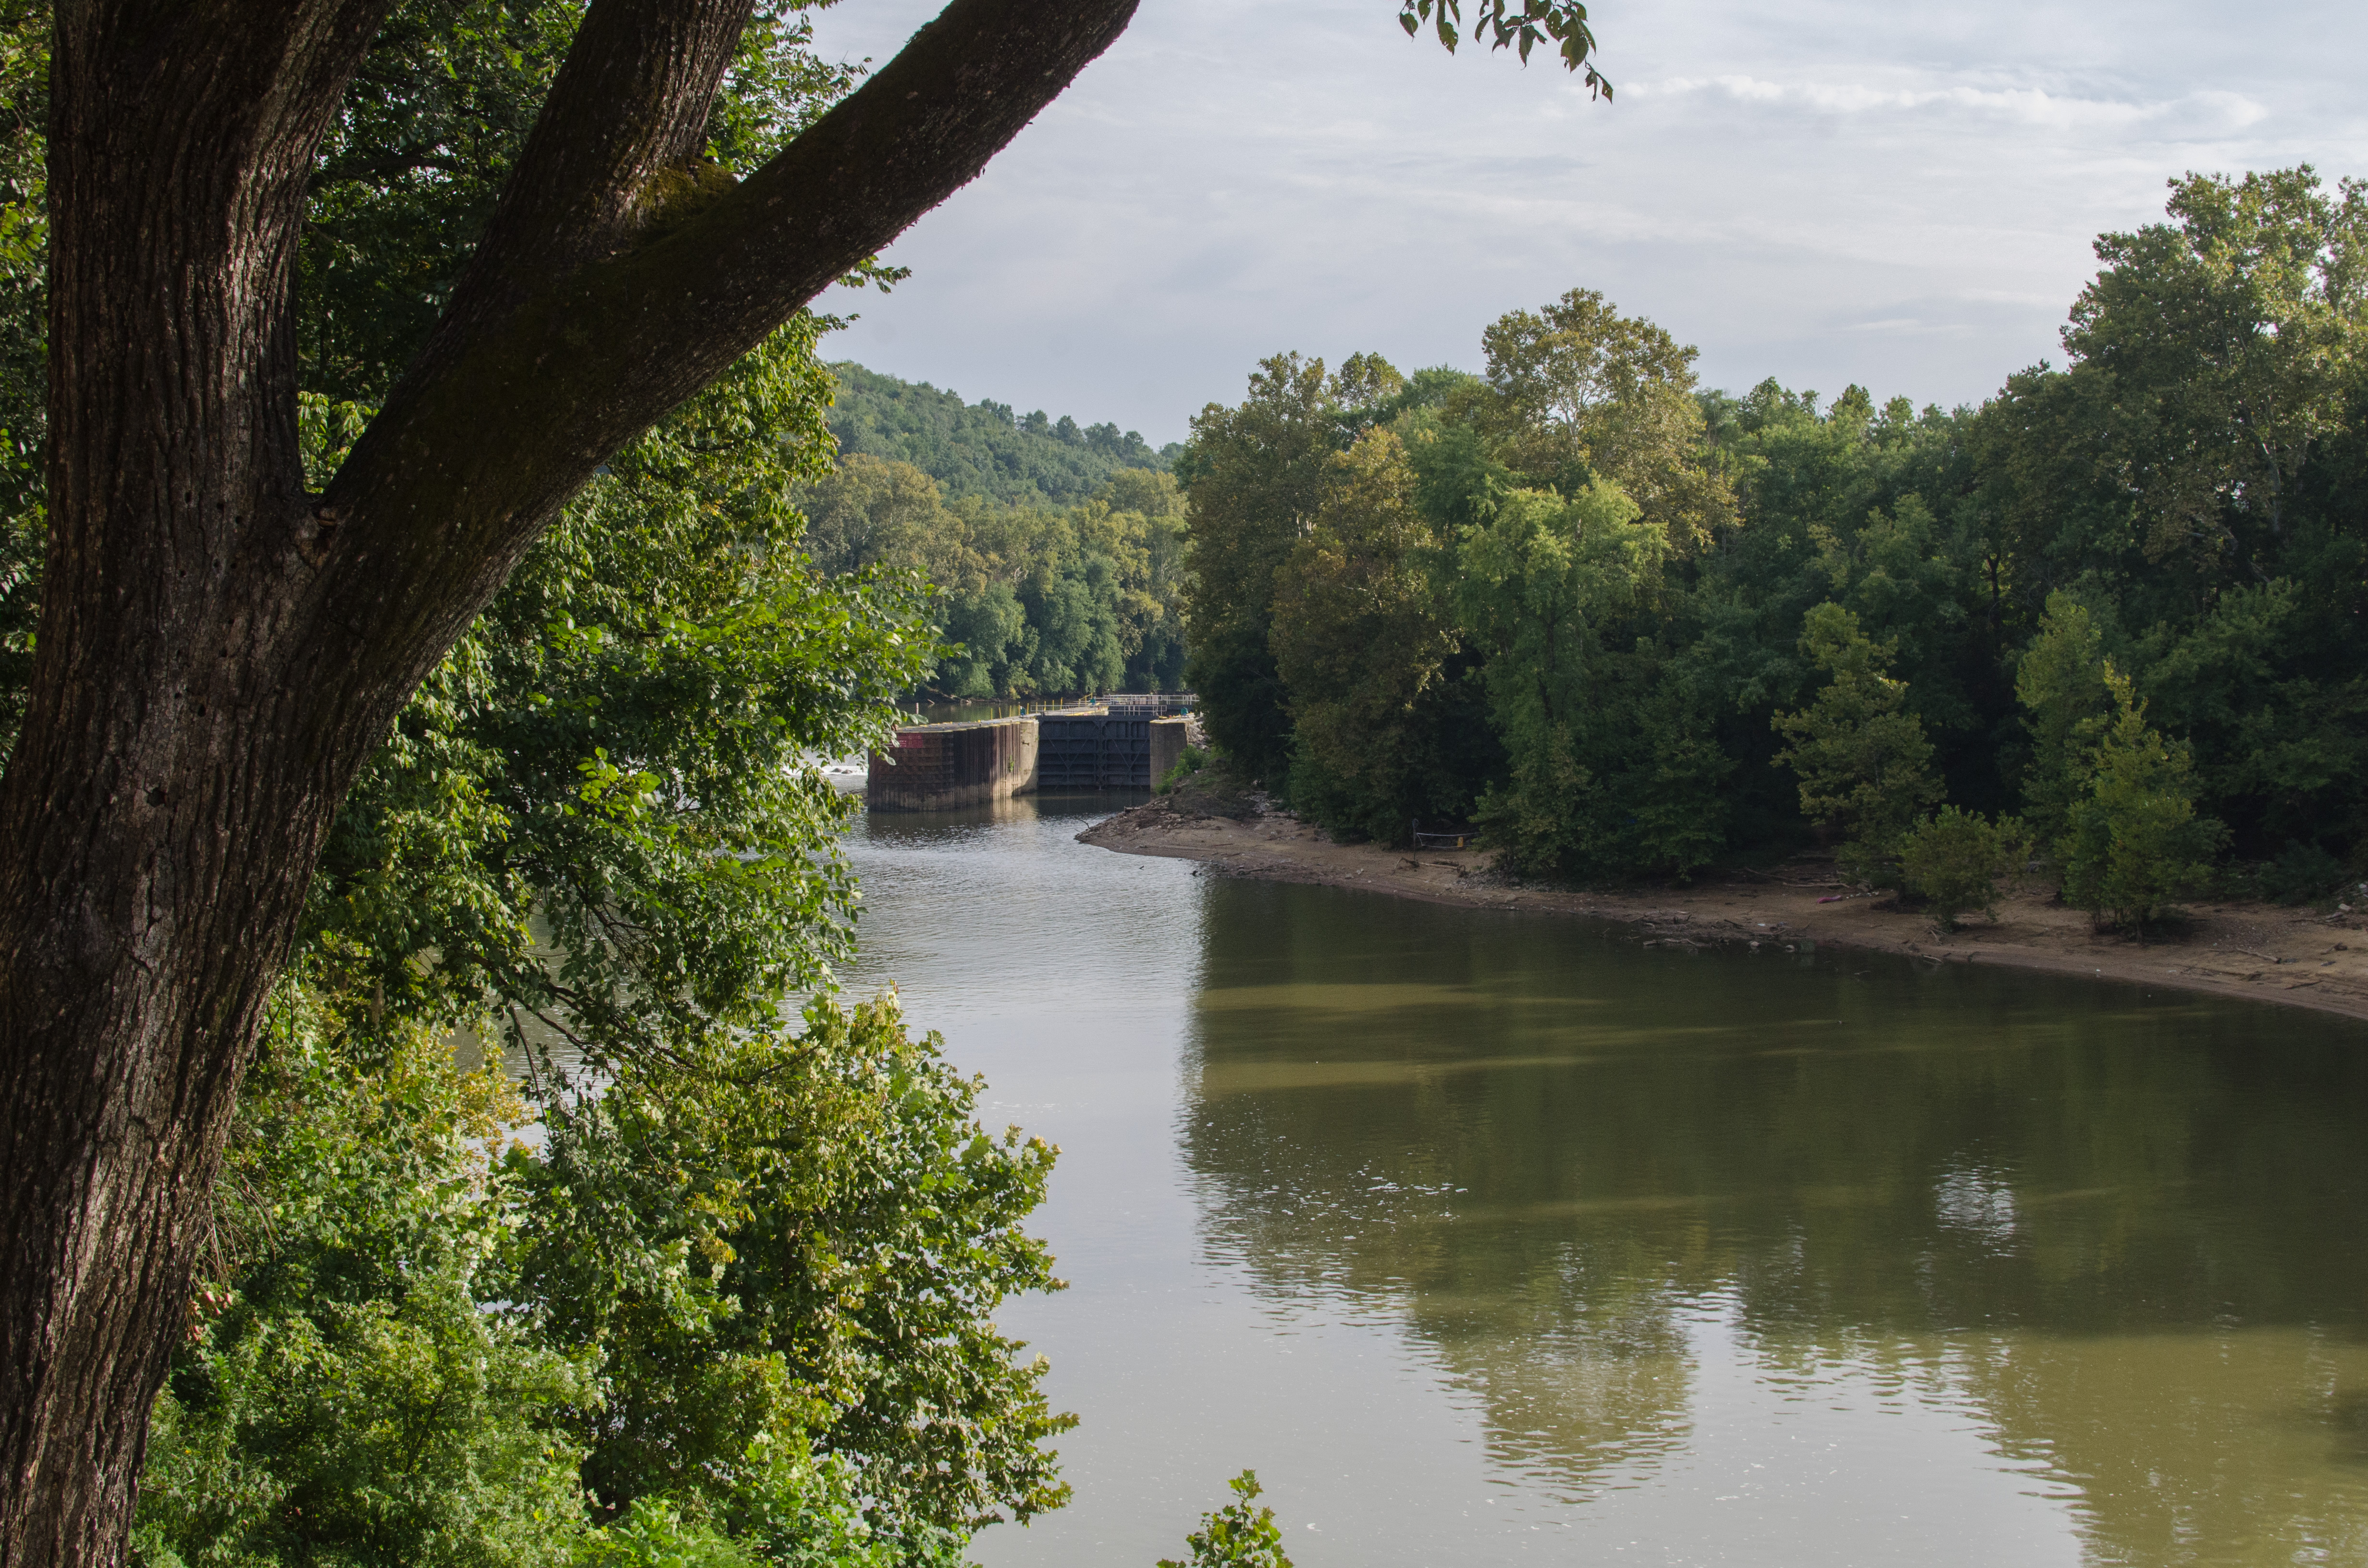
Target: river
[{"x": 1490, "y": 1238}]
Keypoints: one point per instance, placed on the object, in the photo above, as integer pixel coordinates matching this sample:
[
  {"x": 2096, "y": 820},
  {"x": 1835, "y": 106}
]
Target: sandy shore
[{"x": 2263, "y": 952}]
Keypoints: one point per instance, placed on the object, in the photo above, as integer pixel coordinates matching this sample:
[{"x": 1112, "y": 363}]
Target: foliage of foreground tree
[
  {"x": 219, "y": 649},
  {"x": 753, "y": 1302}
]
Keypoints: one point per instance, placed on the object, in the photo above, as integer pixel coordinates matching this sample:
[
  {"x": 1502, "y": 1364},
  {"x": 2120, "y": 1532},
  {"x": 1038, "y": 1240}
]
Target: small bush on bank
[
  {"x": 1191, "y": 762},
  {"x": 1217, "y": 789},
  {"x": 1955, "y": 859}
]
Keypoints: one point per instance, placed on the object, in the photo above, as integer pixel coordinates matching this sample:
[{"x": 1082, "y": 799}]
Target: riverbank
[{"x": 2262, "y": 952}]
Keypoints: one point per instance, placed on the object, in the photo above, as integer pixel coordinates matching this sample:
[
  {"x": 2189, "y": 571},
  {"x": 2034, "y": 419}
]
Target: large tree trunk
[{"x": 218, "y": 651}]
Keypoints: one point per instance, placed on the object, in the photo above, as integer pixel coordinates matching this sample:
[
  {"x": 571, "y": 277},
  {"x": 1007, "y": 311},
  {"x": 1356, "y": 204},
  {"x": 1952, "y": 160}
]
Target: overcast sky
[{"x": 1823, "y": 191}]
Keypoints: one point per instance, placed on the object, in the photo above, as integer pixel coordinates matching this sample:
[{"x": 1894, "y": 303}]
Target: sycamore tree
[
  {"x": 218, "y": 648},
  {"x": 1578, "y": 390},
  {"x": 1360, "y": 632},
  {"x": 2227, "y": 335}
]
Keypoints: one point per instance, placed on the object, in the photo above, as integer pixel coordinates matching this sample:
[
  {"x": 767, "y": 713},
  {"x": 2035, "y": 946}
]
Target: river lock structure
[{"x": 1121, "y": 743}]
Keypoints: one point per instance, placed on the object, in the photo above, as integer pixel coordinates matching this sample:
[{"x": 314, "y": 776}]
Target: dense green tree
[
  {"x": 1255, "y": 475},
  {"x": 2227, "y": 335},
  {"x": 1582, "y": 391},
  {"x": 1140, "y": 514},
  {"x": 1863, "y": 762},
  {"x": 1360, "y": 634},
  {"x": 1609, "y": 763},
  {"x": 2135, "y": 843},
  {"x": 2062, "y": 683}
]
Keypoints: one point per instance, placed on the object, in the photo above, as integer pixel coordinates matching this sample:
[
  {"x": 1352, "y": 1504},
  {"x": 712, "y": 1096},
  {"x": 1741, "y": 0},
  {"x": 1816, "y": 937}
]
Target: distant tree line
[
  {"x": 982, "y": 448},
  {"x": 1027, "y": 600},
  {"x": 2110, "y": 618}
]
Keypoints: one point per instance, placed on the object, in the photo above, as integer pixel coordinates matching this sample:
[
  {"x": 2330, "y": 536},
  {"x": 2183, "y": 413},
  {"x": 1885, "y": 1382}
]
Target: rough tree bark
[{"x": 219, "y": 651}]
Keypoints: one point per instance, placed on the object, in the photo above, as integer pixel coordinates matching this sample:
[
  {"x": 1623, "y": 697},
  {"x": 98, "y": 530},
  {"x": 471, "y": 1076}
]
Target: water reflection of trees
[{"x": 1540, "y": 1151}]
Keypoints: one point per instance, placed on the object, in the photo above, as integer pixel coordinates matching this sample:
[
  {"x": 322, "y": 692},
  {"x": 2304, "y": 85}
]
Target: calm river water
[{"x": 1493, "y": 1238}]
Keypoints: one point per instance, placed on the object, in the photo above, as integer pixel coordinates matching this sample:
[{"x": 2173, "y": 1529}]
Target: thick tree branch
[
  {"x": 514, "y": 405},
  {"x": 629, "y": 109}
]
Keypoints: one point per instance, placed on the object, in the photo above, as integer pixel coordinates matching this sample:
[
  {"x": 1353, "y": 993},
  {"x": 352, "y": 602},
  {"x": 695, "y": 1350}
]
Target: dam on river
[{"x": 1121, "y": 743}]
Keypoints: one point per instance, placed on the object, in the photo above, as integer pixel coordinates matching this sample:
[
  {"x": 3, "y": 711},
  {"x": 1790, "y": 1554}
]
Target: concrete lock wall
[
  {"x": 1166, "y": 746},
  {"x": 939, "y": 766}
]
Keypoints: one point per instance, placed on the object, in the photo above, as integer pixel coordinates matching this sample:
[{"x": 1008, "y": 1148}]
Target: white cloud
[
  {"x": 1837, "y": 191},
  {"x": 2027, "y": 106}
]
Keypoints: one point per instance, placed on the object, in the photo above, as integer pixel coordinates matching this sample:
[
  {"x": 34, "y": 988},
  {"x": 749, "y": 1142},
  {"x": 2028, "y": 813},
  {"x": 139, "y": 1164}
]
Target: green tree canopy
[
  {"x": 1360, "y": 633},
  {"x": 1863, "y": 761}
]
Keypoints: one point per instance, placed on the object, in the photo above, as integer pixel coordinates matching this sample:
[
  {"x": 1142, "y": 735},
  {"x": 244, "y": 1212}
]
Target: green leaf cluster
[
  {"x": 1561, "y": 22},
  {"x": 804, "y": 1235},
  {"x": 1955, "y": 859},
  {"x": 732, "y": 1311},
  {"x": 1237, "y": 1534},
  {"x": 360, "y": 1383}
]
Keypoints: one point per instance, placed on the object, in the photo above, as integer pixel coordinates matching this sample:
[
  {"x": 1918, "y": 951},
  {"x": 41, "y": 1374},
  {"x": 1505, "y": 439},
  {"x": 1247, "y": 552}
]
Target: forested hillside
[
  {"x": 2110, "y": 619},
  {"x": 1055, "y": 552},
  {"x": 1033, "y": 600},
  {"x": 981, "y": 448}
]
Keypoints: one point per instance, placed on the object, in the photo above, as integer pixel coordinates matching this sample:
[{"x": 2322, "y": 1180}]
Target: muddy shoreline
[{"x": 2295, "y": 957}]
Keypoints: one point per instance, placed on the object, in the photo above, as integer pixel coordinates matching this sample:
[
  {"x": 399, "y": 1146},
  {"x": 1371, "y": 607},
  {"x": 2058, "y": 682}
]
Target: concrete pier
[
  {"x": 1123, "y": 742},
  {"x": 936, "y": 767},
  {"x": 1166, "y": 746}
]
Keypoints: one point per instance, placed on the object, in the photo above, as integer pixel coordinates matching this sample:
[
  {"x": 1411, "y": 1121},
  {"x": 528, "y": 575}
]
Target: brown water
[{"x": 1488, "y": 1237}]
